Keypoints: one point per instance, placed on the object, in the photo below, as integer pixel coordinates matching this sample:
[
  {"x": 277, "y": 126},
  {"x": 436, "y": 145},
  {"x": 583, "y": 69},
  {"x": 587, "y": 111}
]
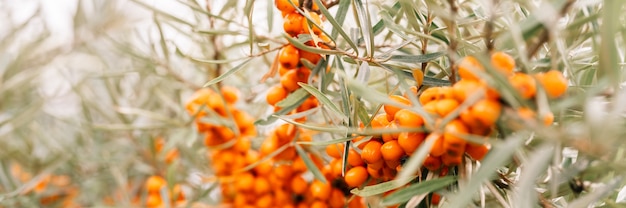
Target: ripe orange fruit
[
  {"x": 356, "y": 176},
  {"x": 379, "y": 121},
  {"x": 410, "y": 141},
  {"x": 265, "y": 201},
  {"x": 371, "y": 153},
  {"x": 486, "y": 111},
  {"x": 319, "y": 204},
  {"x": 290, "y": 80},
  {"x": 293, "y": 24},
  {"x": 466, "y": 88},
  {"x": 408, "y": 118},
  {"x": 451, "y": 160},
  {"x": 299, "y": 185},
  {"x": 337, "y": 199},
  {"x": 262, "y": 186},
  {"x": 429, "y": 94},
  {"x": 553, "y": 82},
  {"x": 283, "y": 172},
  {"x": 446, "y": 106},
  {"x": 503, "y": 62},
  {"x": 285, "y": 133},
  {"x": 230, "y": 94},
  {"x": 245, "y": 182},
  {"x": 286, "y": 7},
  {"x": 390, "y": 136},
  {"x": 155, "y": 183},
  {"x": 317, "y": 20},
  {"x": 375, "y": 173},
  {"x": 432, "y": 163},
  {"x": 453, "y": 144},
  {"x": 524, "y": 84},
  {"x": 391, "y": 110},
  {"x": 289, "y": 57},
  {"x": 312, "y": 57},
  {"x": 476, "y": 151},
  {"x": 391, "y": 151},
  {"x": 467, "y": 68},
  {"x": 437, "y": 148},
  {"x": 320, "y": 190},
  {"x": 335, "y": 150},
  {"x": 269, "y": 145},
  {"x": 154, "y": 200},
  {"x": 354, "y": 159},
  {"x": 276, "y": 94}
]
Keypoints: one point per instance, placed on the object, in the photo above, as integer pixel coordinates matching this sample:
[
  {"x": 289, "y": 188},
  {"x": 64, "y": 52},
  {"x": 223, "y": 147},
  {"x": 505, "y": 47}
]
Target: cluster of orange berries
[
  {"x": 52, "y": 190},
  {"x": 156, "y": 187},
  {"x": 382, "y": 156},
  {"x": 290, "y": 67}
]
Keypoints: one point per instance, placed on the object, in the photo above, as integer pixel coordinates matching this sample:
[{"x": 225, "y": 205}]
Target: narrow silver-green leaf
[
  {"x": 228, "y": 73},
  {"x": 310, "y": 165},
  {"x": 404, "y": 194},
  {"x": 323, "y": 99}
]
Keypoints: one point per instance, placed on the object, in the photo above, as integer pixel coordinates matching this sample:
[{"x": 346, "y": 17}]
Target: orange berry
[
  {"x": 391, "y": 110},
  {"x": 408, "y": 118},
  {"x": 337, "y": 199},
  {"x": 375, "y": 173},
  {"x": 379, "y": 121},
  {"x": 289, "y": 57},
  {"x": 377, "y": 165},
  {"x": 431, "y": 107},
  {"x": 410, "y": 141},
  {"x": 265, "y": 201},
  {"x": 446, "y": 106},
  {"x": 430, "y": 94},
  {"x": 486, "y": 111},
  {"x": 390, "y": 136},
  {"x": 437, "y": 148},
  {"x": 524, "y": 84},
  {"x": 269, "y": 145},
  {"x": 451, "y": 160},
  {"x": 336, "y": 168},
  {"x": 392, "y": 163},
  {"x": 230, "y": 94},
  {"x": 319, "y": 204},
  {"x": 290, "y": 80},
  {"x": 432, "y": 163},
  {"x": 452, "y": 143},
  {"x": 503, "y": 62},
  {"x": 335, "y": 150},
  {"x": 276, "y": 94},
  {"x": 466, "y": 88},
  {"x": 245, "y": 182},
  {"x": 285, "y": 133},
  {"x": 298, "y": 185},
  {"x": 320, "y": 190},
  {"x": 468, "y": 67},
  {"x": 285, "y": 6},
  {"x": 154, "y": 200},
  {"x": 356, "y": 176},
  {"x": 283, "y": 171},
  {"x": 292, "y": 24},
  {"x": 371, "y": 153},
  {"x": 155, "y": 183},
  {"x": 261, "y": 186},
  {"x": 354, "y": 159},
  {"x": 553, "y": 82},
  {"x": 316, "y": 19},
  {"x": 391, "y": 151},
  {"x": 548, "y": 119},
  {"x": 476, "y": 151}
]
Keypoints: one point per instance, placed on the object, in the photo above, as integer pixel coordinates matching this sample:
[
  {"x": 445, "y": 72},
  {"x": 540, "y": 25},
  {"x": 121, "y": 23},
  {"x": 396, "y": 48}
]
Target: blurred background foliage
[{"x": 87, "y": 88}]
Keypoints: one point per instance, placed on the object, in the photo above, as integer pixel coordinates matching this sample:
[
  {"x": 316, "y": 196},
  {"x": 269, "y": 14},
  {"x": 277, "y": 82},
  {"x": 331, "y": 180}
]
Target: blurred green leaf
[{"x": 427, "y": 186}]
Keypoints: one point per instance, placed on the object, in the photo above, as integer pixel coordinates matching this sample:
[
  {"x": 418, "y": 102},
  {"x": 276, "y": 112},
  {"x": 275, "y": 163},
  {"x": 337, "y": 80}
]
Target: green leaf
[
  {"x": 381, "y": 187},
  {"x": 342, "y": 10},
  {"x": 363, "y": 19},
  {"x": 609, "y": 67},
  {"x": 417, "y": 58},
  {"x": 403, "y": 195},
  {"x": 323, "y": 99},
  {"x": 296, "y": 43},
  {"x": 310, "y": 165},
  {"x": 228, "y": 73}
]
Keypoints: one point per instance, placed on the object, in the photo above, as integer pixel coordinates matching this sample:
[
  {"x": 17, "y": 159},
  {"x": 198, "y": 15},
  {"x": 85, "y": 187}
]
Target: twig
[
  {"x": 332, "y": 4},
  {"x": 429, "y": 21},
  {"x": 545, "y": 35}
]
